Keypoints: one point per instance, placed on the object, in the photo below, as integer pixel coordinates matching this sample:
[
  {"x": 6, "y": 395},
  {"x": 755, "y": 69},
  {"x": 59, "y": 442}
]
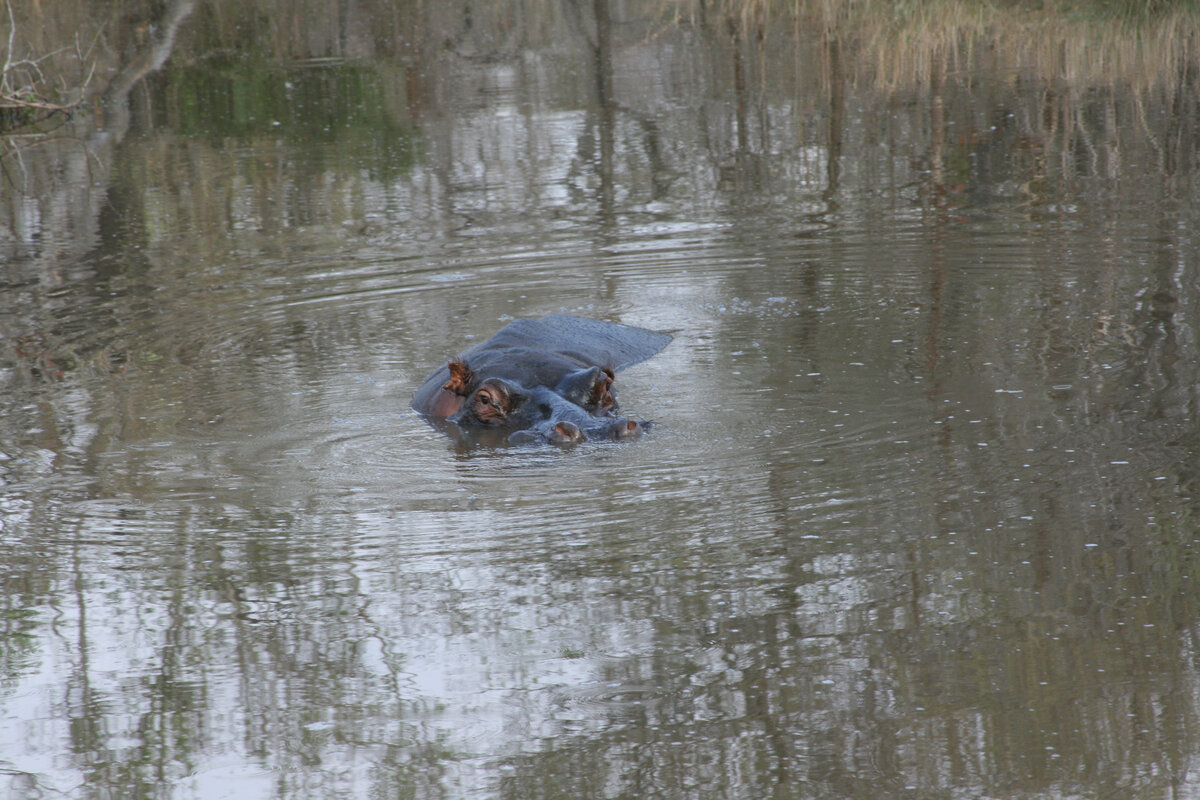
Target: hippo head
[
  {"x": 539, "y": 414},
  {"x": 539, "y": 380}
]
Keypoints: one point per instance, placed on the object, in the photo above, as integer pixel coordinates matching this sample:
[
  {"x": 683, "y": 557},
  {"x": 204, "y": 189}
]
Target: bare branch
[
  {"x": 12, "y": 32},
  {"x": 21, "y": 79},
  {"x": 12, "y": 101}
]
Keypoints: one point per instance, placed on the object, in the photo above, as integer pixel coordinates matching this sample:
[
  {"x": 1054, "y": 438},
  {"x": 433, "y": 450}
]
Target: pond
[{"x": 918, "y": 513}]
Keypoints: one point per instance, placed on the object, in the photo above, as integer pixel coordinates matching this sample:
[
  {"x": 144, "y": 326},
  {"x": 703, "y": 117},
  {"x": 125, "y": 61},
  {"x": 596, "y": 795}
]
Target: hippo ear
[
  {"x": 461, "y": 378},
  {"x": 603, "y": 397},
  {"x": 590, "y": 388}
]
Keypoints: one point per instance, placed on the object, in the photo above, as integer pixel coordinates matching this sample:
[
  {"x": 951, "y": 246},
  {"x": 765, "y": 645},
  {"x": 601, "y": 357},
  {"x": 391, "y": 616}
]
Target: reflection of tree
[
  {"x": 605, "y": 102},
  {"x": 150, "y": 57},
  {"x": 78, "y": 168}
]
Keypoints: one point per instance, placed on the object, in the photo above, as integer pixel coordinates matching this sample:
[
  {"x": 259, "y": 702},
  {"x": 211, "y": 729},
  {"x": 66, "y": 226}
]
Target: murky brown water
[{"x": 918, "y": 518}]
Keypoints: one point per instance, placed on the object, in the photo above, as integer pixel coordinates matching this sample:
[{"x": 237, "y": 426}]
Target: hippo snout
[
  {"x": 618, "y": 429},
  {"x": 566, "y": 433}
]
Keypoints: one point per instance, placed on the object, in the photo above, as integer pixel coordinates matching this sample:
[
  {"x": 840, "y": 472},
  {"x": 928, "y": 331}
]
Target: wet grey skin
[{"x": 547, "y": 380}]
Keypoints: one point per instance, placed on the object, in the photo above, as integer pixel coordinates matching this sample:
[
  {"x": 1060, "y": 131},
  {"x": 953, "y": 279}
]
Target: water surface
[{"x": 917, "y": 516}]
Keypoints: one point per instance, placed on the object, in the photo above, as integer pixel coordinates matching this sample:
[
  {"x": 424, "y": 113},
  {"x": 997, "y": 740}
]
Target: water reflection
[{"x": 916, "y": 517}]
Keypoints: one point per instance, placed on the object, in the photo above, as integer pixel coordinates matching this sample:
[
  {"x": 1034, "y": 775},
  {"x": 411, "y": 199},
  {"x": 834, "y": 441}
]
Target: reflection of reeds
[{"x": 901, "y": 44}]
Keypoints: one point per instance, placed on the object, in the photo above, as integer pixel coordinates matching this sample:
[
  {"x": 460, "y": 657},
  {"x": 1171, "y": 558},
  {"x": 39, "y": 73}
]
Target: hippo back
[{"x": 591, "y": 342}]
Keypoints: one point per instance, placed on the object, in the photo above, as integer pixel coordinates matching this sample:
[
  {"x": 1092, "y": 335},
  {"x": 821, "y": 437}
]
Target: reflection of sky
[{"x": 477, "y": 659}]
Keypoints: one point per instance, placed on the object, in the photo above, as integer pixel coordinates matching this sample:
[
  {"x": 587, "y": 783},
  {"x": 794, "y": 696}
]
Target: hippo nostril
[
  {"x": 627, "y": 428},
  {"x": 565, "y": 433}
]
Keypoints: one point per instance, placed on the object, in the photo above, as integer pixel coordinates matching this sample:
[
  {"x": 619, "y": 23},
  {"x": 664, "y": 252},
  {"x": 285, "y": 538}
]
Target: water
[{"x": 917, "y": 516}]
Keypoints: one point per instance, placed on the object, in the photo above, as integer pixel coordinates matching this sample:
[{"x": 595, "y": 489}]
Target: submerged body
[{"x": 549, "y": 379}]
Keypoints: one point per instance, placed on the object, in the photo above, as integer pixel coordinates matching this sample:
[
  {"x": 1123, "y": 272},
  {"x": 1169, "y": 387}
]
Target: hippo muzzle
[{"x": 540, "y": 415}]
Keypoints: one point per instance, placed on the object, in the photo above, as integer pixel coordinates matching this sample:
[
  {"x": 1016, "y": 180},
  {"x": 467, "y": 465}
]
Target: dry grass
[{"x": 904, "y": 43}]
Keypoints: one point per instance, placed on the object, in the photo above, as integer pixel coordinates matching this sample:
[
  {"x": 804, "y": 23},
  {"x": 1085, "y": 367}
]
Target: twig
[{"x": 12, "y": 101}]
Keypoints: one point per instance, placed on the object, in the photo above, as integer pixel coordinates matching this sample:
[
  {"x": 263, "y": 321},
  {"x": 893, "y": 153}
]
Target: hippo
[{"x": 547, "y": 380}]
